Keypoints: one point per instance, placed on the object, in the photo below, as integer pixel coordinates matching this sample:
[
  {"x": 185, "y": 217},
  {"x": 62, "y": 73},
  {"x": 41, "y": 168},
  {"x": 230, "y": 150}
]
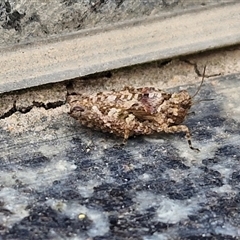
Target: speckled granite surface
[{"x": 61, "y": 181}]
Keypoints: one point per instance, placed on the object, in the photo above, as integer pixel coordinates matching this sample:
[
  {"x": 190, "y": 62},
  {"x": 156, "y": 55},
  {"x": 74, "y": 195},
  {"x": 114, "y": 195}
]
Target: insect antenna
[
  {"x": 201, "y": 100},
  {"x": 203, "y": 76}
]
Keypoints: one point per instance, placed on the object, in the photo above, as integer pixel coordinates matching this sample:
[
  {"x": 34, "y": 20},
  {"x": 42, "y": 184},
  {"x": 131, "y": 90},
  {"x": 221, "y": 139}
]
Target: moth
[{"x": 134, "y": 111}]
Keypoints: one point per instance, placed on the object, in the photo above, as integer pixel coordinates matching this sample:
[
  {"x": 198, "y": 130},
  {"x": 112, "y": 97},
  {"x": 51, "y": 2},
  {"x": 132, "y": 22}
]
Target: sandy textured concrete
[
  {"x": 23, "y": 21},
  {"x": 118, "y": 46}
]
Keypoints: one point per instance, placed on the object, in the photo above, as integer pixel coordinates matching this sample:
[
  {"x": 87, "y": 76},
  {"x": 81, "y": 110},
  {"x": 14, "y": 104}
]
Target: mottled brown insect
[{"x": 134, "y": 111}]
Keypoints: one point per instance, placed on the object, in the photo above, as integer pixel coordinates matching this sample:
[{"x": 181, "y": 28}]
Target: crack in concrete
[
  {"x": 9, "y": 112},
  {"x": 197, "y": 71},
  {"x": 16, "y": 102},
  {"x": 24, "y": 110}
]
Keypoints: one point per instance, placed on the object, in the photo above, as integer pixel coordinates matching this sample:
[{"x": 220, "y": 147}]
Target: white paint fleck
[
  {"x": 173, "y": 211},
  {"x": 49, "y": 150},
  {"x": 228, "y": 229},
  {"x": 224, "y": 189},
  {"x": 100, "y": 224},
  {"x": 158, "y": 236},
  {"x": 207, "y": 150},
  {"x": 145, "y": 177},
  {"x": 15, "y": 202},
  {"x": 168, "y": 210},
  {"x": 39, "y": 177},
  {"x": 86, "y": 189}
]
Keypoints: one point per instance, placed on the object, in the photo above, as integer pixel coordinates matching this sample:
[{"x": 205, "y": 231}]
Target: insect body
[{"x": 134, "y": 111}]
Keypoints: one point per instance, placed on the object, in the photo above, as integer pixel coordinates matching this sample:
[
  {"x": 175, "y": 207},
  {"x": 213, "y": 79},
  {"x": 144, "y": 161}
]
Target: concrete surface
[
  {"x": 62, "y": 181},
  {"x": 23, "y": 21},
  {"x": 116, "y": 46}
]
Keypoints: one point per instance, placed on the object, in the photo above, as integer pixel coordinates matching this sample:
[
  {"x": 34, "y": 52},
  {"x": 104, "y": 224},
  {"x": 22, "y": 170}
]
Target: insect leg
[
  {"x": 181, "y": 128},
  {"x": 126, "y": 135}
]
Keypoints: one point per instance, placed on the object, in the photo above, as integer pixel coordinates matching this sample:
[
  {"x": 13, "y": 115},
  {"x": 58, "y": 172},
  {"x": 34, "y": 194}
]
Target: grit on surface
[
  {"x": 23, "y": 21},
  {"x": 62, "y": 181}
]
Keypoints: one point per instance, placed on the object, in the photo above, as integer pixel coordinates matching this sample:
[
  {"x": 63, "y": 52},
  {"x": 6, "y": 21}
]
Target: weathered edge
[{"x": 122, "y": 45}]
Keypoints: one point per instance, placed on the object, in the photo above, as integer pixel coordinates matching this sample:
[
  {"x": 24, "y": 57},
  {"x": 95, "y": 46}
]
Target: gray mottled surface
[
  {"x": 23, "y": 21},
  {"x": 61, "y": 181}
]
